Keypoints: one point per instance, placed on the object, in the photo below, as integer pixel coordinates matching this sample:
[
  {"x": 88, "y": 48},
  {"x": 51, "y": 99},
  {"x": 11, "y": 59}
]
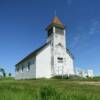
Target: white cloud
[
  {"x": 84, "y": 32},
  {"x": 94, "y": 27}
]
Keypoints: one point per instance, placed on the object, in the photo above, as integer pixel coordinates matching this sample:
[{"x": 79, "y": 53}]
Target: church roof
[
  {"x": 32, "y": 54},
  {"x": 56, "y": 22},
  {"x": 70, "y": 54}
]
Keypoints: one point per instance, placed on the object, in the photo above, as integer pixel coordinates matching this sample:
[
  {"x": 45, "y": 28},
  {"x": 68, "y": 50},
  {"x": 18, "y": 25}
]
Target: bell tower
[
  {"x": 56, "y": 36},
  {"x": 56, "y": 32}
]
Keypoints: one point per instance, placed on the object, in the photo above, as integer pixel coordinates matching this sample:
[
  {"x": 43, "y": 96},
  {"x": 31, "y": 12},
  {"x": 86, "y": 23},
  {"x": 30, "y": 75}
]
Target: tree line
[{"x": 3, "y": 73}]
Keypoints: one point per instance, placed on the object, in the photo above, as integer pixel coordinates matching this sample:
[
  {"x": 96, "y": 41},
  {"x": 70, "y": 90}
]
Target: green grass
[{"x": 53, "y": 89}]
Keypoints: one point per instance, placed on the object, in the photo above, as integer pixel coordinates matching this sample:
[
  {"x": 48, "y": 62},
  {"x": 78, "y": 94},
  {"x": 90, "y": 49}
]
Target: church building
[{"x": 51, "y": 59}]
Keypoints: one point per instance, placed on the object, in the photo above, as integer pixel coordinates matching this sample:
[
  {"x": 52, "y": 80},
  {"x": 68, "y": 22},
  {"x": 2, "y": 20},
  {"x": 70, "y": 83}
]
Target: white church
[{"x": 51, "y": 59}]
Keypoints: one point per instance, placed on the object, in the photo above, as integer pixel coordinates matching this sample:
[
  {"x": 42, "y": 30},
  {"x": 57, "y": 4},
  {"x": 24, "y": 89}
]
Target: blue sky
[{"x": 23, "y": 23}]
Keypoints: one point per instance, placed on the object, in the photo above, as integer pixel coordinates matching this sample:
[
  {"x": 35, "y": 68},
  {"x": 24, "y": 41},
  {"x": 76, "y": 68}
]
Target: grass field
[{"x": 52, "y": 89}]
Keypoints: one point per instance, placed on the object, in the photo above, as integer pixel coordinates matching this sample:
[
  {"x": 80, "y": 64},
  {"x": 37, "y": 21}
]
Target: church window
[
  {"x": 33, "y": 62},
  {"x": 60, "y": 60},
  {"x": 59, "y": 31},
  {"x": 17, "y": 69},
  {"x": 52, "y": 43},
  {"x": 29, "y": 64},
  {"x": 22, "y": 68},
  {"x": 50, "y": 31}
]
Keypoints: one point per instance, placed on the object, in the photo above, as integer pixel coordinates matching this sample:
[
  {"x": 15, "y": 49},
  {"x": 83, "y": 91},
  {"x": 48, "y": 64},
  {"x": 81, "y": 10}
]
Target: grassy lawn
[{"x": 50, "y": 89}]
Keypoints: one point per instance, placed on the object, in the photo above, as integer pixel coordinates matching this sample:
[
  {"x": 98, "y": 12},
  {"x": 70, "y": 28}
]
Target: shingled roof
[{"x": 56, "y": 22}]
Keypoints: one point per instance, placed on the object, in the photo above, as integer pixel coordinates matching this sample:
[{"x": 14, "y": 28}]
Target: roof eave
[
  {"x": 33, "y": 54},
  {"x": 55, "y": 25}
]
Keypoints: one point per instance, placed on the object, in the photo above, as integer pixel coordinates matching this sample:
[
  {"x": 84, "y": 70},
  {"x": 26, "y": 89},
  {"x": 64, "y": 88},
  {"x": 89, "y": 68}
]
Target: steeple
[
  {"x": 56, "y": 22},
  {"x": 56, "y": 33}
]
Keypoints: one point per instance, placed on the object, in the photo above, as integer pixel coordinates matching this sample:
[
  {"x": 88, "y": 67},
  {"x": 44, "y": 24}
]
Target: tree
[
  {"x": 9, "y": 74},
  {"x": 3, "y": 72}
]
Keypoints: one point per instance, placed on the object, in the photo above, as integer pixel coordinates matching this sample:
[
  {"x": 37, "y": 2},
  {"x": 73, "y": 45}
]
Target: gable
[{"x": 32, "y": 54}]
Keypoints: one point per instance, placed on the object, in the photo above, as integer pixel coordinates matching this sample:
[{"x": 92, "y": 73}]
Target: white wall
[
  {"x": 43, "y": 63},
  {"x": 69, "y": 65},
  {"x": 27, "y": 74}
]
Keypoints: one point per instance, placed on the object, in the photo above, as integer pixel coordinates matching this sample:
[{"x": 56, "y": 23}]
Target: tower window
[
  {"x": 52, "y": 43},
  {"x": 60, "y": 60},
  {"x": 59, "y": 31},
  {"x": 50, "y": 31}
]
